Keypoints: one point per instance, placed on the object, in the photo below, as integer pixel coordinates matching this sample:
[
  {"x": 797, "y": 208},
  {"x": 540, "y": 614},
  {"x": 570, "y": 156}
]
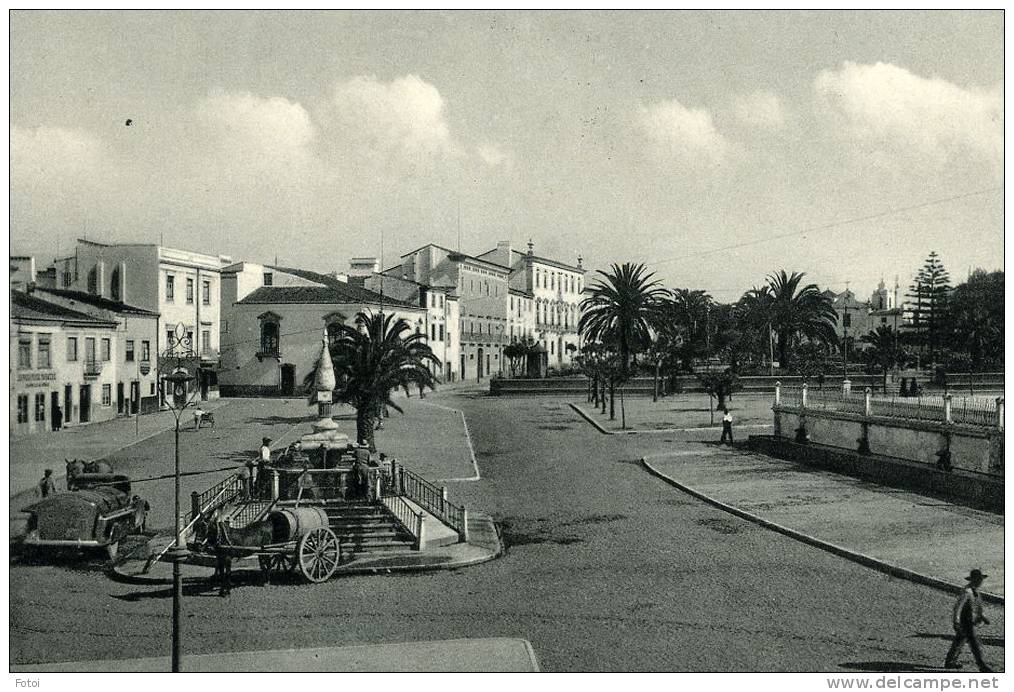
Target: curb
[
  {"x": 851, "y": 555},
  {"x": 468, "y": 441},
  {"x": 660, "y": 431}
]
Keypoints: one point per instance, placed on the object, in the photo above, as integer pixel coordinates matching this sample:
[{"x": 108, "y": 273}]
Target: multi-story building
[
  {"x": 273, "y": 320},
  {"x": 556, "y": 290},
  {"x": 182, "y": 286},
  {"x": 886, "y": 307},
  {"x": 134, "y": 368},
  {"x": 62, "y": 365},
  {"x": 482, "y": 291}
]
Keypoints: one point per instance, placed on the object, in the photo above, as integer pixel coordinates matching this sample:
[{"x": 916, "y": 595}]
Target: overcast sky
[{"x": 647, "y": 137}]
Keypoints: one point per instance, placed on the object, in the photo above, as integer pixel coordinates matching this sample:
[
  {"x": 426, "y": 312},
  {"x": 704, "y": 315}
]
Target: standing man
[
  {"x": 58, "y": 418},
  {"x": 258, "y": 475},
  {"x": 46, "y": 486},
  {"x": 967, "y": 614},
  {"x": 198, "y": 415},
  {"x": 726, "y": 426}
]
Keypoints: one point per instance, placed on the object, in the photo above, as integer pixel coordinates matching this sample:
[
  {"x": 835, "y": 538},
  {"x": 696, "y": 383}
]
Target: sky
[{"x": 846, "y": 145}]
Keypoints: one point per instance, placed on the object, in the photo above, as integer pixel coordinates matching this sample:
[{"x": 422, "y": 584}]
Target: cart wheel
[
  {"x": 278, "y": 563},
  {"x": 318, "y": 554}
]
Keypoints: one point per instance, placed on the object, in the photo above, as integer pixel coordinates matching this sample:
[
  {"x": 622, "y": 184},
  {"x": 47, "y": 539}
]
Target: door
[
  {"x": 119, "y": 399},
  {"x": 202, "y": 377},
  {"x": 288, "y": 379},
  {"x": 135, "y": 397},
  {"x": 68, "y": 400},
  {"x": 462, "y": 371},
  {"x": 479, "y": 358},
  {"x": 54, "y": 404},
  {"x": 85, "y": 405}
]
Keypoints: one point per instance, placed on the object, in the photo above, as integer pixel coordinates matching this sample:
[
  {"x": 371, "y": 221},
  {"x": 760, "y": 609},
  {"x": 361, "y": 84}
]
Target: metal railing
[
  {"x": 981, "y": 412},
  {"x": 413, "y": 522},
  {"x": 250, "y": 512},
  {"x": 92, "y": 368},
  {"x": 433, "y": 500}
]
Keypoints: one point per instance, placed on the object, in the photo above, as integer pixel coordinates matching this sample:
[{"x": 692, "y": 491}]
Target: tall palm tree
[
  {"x": 687, "y": 316},
  {"x": 799, "y": 312},
  {"x": 755, "y": 312},
  {"x": 623, "y": 307},
  {"x": 374, "y": 356}
]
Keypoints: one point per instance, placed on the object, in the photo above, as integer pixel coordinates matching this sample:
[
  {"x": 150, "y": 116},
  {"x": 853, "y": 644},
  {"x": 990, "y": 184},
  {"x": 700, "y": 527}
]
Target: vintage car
[{"x": 97, "y": 515}]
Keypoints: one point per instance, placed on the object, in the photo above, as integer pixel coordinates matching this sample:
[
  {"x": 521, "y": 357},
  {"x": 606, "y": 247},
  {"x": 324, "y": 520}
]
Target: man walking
[
  {"x": 967, "y": 614},
  {"x": 726, "y": 426}
]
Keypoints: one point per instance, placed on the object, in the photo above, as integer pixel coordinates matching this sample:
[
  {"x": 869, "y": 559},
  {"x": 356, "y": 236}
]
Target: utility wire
[{"x": 834, "y": 224}]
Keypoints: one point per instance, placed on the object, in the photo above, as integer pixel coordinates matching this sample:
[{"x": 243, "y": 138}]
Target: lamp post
[{"x": 180, "y": 361}]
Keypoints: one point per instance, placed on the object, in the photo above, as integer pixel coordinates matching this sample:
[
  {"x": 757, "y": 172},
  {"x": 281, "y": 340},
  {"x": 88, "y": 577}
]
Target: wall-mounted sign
[
  {"x": 36, "y": 379},
  {"x": 145, "y": 367}
]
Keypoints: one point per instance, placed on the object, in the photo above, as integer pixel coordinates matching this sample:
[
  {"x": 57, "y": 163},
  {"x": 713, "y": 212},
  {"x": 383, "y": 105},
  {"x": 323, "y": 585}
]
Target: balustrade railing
[
  {"x": 413, "y": 522},
  {"x": 434, "y": 500}
]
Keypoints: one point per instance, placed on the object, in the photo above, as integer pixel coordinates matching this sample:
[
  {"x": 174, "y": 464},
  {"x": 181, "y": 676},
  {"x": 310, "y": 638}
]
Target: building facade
[
  {"x": 184, "y": 287},
  {"x": 273, "y": 319},
  {"x": 62, "y": 365},
  {"x": 556, "y": 290}
]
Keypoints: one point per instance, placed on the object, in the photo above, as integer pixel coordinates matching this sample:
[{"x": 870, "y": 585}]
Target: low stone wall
[
  {"x": 975, "y": 449},
  {"x": 981, "y": 491}
]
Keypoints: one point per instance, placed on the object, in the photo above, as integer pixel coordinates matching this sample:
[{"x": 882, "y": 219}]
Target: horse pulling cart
[{"x": 286, "y": 541}]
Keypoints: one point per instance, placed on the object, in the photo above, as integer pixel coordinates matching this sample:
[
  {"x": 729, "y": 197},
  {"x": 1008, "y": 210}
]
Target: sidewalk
[
  {"x": 501, "y": 655},
  {"x": 910, "y": 536},
  {"x": 31, "y": 454}
]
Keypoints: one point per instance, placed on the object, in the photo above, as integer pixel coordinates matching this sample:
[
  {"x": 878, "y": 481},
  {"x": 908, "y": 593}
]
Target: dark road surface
[{"x": 606, "y": 568}]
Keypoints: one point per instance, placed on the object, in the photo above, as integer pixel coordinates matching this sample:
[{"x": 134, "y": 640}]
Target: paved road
[{"x": 607, "y": 568}]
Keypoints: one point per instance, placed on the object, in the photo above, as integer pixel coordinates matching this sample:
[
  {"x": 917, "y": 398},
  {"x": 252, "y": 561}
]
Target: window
[
  {"x": 269, "y": 278},
  {"x": 71, "y": 349},
  {"x": 93, "y": 280},
  {"x": 151, "y": 389},
  {"x": 170, "y": 287},
  {"x": 206, "y": 292},
  {"x": 205, "y": 340},
  {"x": 433, "y": 332},
  {"x": 441, "y": 332},
  {"x": 45, "y": 361},
  {"x": 114, "y": 284},
  {"x": 129, "y": 350},
  {"x": 107, "y": 394},
  {"x": 269, "y": 338},
  {"x": 90, "y": 349},
  {"x": 145, "y": 350},
  {"x": 22, "y": 408},
  {"x": 40, "y": 407},
  {"x": 25, "y": 356},
  {"x": 106, "y": 349},
  {"x": 190, "y": 290}
]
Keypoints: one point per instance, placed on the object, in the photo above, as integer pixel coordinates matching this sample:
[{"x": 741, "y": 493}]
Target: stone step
[{"x": 361, "y": 546}]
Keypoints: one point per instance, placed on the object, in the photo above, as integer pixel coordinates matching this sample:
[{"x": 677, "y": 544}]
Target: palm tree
[
  {"x": 624, "y": 307},
  {"x": 799, "y": 312},
  {"x": 686, "y": 322},
  {"x": 374, "y": 356},
  {"x": 756, "y": 314},
  {"x": 883, "y": 348}
]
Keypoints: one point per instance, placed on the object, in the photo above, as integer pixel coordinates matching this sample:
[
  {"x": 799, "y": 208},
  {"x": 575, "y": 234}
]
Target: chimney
[
  {"x": 364, "y": 266},
  {"x": 503, "y": 251}
]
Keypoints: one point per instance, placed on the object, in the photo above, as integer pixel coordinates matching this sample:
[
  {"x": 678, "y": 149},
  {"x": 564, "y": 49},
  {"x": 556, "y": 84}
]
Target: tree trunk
[
  {"x": 783, "y": 352},
  {"x": 602, "y": 397},
  {"x": 595, "y": 391},
  {"x": 364, "y": 428},
  {"x": 654, "y": 394},
  {"x": 721, "y": 399},
  {"x": 623, "y": 412},
  {"x": 612, "y": 400}
]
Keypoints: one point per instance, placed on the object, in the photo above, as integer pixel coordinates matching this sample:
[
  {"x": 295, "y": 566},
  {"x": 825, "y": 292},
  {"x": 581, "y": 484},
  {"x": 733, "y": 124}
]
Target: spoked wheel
[
  {"x": 277, "y": 563},
  {"x": 318, "y": 554}
]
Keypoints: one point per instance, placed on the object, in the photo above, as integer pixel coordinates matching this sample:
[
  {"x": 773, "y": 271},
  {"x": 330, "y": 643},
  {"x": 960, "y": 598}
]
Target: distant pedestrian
[
  {"x": 966, "y": 615},
  {"x": 46, "y": 486},
  {"x": 58, "y": 418},
  {"x": 198, "y": 416},
  {"x": 726, "y": 426}
]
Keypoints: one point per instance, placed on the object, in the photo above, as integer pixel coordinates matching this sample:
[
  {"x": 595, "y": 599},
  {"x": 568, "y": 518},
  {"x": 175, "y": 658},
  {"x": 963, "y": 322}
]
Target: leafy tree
[
  {"x": 975, "y": 319},
  {"x": 799, "y": 312},
  {"x": 719, "y": 384},
  {"x": 686, "y": 315},
  {"x": 374, "y": 356},
  {"x": 882, "y": 348},
  {"x": 517, "y": 353},
  {"x": 928, "y": 297}
]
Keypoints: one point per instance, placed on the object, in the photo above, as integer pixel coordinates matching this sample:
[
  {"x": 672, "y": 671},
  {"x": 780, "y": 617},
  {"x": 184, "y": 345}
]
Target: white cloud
[
  {"x": 890, "y": 107},
  {"x": 760, "y": 109},
  {"x": 493, "y": 155},
  {"x": 247, "y": 124},
  {"x": 405, "y": 115},
  {"x": 44, "y": 151},
  {"x": 681, "y": 135}
]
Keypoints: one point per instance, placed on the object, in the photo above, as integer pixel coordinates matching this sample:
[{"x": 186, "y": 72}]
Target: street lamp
[{"x": 180, "y": 361}]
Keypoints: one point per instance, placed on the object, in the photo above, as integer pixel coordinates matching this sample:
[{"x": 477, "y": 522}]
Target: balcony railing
[{"x": 92, "y": 368}]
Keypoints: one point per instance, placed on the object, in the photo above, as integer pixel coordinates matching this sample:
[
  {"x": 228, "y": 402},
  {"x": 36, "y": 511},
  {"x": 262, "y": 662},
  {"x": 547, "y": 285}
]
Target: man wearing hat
[{"x": 967, "y": 614}]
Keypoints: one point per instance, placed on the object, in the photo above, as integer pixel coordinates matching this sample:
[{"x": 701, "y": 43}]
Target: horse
[{"x": 220, "y": 537}]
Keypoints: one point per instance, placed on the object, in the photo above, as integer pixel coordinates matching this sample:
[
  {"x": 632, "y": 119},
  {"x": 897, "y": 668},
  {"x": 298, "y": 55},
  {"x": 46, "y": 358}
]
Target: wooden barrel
[{"x": 291, "y": 523}]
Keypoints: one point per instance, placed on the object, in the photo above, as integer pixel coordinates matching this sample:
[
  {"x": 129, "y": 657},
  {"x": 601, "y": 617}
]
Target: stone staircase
[{"x": 367, "y": 530}]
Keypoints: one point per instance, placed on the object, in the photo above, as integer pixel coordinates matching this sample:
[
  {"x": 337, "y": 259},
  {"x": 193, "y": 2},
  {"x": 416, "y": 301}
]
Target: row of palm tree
[{"x": 630, "y": 313}]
